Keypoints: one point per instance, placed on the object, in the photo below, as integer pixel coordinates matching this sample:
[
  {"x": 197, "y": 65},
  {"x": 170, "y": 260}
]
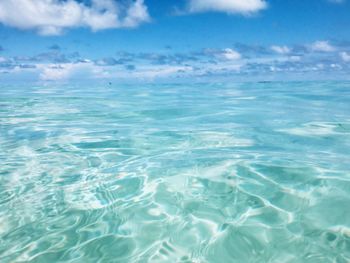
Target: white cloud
[
  {"x": 244, "y": 7},
  {"x": 345, "y": 56},
  {"x": 68, "y": 70},
  {"x": 336, "y": 66},
  {"x": 136, "y": 14},
  {"x": 51, "y": 17},
  {"x": 280, "y": 49},
  {"x": 294, "y": 58},
  {"x": 152, "y": 72},
  {"x": 51, "y": 72},
  {"x": 230, "y": 54},
  {"x": 322, "y": 46}
]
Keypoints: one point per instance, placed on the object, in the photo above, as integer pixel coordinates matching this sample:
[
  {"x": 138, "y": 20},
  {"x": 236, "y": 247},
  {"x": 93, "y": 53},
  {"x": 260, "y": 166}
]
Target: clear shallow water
[{"x": 255, "y": 172}]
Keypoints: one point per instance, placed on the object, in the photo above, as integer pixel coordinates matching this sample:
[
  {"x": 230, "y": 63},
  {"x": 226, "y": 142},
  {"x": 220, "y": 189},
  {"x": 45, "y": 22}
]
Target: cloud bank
[
  {"x": 323, "y": 59},
  {"x": 51, "y": 17}
]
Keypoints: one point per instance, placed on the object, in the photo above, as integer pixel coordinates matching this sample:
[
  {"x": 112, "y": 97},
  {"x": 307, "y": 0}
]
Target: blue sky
[{"x": 150, "y": 40}]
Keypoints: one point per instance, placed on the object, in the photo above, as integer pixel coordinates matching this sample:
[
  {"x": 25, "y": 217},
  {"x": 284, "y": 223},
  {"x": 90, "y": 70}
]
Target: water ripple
[{"x": 201, "y": 173}]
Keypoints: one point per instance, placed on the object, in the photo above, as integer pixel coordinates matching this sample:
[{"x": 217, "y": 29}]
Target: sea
[{"x": 199, "y": 172}]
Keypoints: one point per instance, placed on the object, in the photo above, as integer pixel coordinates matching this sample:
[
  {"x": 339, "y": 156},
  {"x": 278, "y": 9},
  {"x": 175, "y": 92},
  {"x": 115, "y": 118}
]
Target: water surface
[{"x": 250, "y": 172}]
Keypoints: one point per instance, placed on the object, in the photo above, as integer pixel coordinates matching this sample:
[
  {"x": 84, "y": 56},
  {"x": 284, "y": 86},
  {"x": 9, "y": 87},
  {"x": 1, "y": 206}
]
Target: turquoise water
[{"x": 251, "y": 172}]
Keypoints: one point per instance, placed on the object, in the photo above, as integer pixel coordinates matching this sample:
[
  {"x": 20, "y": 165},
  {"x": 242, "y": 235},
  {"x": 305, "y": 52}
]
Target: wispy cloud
[
  {"x": 256, "y": 50},
  {"x": 245, "y": 7},
  {"x": 322, "y": 46},
  {"x": 345, "y": 56},
  {"x": 68, "y": 70},
  {"x": 281, "y": 49},
  {"x": 51, "y": 17},
  {"x": 230, "y": 54}
]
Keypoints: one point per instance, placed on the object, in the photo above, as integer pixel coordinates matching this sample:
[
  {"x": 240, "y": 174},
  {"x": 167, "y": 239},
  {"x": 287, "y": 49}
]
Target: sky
[{"x": 183, "y": 40}]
